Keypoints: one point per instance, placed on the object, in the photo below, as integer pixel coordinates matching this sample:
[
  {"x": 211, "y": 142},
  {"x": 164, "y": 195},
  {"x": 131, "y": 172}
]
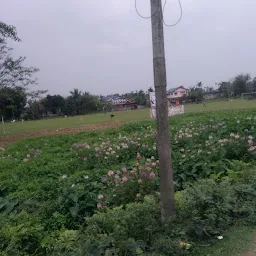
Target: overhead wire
[
  {"x": 180, "y": 18},
  {"x": 146, "y": 17},
  {"x": 164, "y": 6}
]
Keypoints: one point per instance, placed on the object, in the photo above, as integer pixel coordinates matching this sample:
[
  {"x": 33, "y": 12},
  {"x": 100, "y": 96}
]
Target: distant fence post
[{"x": 3, "y": 125}]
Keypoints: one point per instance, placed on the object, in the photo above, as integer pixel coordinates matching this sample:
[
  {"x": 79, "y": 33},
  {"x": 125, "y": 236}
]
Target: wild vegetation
[{"x": 97, "y": 193}]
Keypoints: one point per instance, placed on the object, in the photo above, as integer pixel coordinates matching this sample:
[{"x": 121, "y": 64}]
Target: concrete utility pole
[{"x": 163, "y": 132}]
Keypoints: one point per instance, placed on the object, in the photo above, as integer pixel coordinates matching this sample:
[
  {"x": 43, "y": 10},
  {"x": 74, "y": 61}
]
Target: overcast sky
[{"x": 103, "y": 46}]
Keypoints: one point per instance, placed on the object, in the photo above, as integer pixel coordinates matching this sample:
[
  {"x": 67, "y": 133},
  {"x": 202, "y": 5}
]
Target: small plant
[{"x": 130, "y": 183}]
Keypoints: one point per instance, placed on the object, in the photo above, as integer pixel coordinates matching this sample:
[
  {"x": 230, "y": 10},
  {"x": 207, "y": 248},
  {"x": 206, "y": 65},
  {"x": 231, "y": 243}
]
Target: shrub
[
  {"x": 131, "y": 183},
  {"x": 126, "y": 230},
  {"x": 205, "y": 209}
]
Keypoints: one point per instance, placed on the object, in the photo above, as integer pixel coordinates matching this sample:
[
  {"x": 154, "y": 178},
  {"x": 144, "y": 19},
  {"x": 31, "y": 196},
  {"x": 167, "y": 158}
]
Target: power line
[
  {"x": 146, "y": 17},
  {"x": 180, "y": 18},
  {"x": 149, "y": 17}
]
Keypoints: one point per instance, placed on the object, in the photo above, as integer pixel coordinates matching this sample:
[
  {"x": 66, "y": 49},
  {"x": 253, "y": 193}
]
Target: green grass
[
  {"x": 235, "y": 241},
  {"x": 137, "y": 115}
]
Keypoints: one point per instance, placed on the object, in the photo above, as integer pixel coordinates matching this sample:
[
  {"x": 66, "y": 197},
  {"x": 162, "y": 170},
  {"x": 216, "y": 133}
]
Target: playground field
[{"x": 19, "y": 130}]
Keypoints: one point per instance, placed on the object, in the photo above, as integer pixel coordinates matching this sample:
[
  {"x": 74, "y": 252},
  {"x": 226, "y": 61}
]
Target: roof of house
[
  {"x": 122, "y": 102},
  {"x": 174, "y": 89},
  {"x": 112, "y": 97}
]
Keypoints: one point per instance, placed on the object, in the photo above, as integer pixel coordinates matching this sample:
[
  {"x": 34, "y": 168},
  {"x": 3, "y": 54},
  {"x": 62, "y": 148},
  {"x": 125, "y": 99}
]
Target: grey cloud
[{"x": 104, "y": 47}]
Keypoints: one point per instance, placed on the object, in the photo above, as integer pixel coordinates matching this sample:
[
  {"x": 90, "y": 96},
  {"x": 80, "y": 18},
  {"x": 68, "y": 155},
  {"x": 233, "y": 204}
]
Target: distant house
[
  {"x": 123, "y": 104},
  {"x": 178, "y": 92}
]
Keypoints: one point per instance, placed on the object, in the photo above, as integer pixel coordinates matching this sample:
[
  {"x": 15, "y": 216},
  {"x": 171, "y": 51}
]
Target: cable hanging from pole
[
  {"x": 146, "y": 17},
  {"x": 180, "y": 18},
  {"x": 164, "y": 6}
]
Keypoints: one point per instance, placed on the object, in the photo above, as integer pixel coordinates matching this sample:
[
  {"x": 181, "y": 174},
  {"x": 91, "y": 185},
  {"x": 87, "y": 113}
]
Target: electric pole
[{"x": 163, "y": 132}]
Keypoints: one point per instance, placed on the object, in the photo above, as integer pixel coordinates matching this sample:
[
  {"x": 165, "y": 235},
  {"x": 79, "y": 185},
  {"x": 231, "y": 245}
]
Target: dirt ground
[
  {"x": 6, "y": 140},
  {"x": 252, "y": 251}
]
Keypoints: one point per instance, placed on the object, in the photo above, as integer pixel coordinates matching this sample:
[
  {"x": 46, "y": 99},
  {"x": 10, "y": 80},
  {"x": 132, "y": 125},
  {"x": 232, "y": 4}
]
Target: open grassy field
[{"x": 138, "y": 115}]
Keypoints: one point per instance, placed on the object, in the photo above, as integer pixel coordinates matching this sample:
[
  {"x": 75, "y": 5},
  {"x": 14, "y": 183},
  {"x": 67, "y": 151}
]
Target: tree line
[
  {"x": 17, "y": 102},
  {"x": 238, "y": 85},
  {"x": 235, "y": 87}
]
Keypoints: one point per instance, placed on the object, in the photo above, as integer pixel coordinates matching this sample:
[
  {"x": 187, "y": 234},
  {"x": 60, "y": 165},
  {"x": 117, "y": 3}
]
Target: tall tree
[
  {"x": 199, "y": 84},
  {"x": 35, "y": 108},
  {"x": 240, "y": 83},
  {"x": 12, "y": 102},
  {"x": 226, "y": 88},
  {"x": 12, "y": 71},
  {"x": 53, "y": 104},
  {"x": 254, "y": 84},
  {"x": 76, "y": 98}
]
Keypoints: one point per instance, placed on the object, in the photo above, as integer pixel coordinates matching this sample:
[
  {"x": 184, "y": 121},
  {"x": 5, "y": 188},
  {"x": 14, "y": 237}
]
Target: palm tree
[
  {"x": 76, "y": 96},
  {"x": 199, "y": 85}
]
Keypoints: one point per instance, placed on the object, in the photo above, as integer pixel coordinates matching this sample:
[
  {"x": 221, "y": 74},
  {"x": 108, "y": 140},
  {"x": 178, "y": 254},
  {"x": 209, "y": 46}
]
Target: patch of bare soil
[
  {"x": 252, "y": 251},
  {"x": 6, "y": 140}
]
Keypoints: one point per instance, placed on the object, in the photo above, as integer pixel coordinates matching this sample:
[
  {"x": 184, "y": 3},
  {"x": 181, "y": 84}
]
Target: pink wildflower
[
  {"x": 137, "y": 164},
  {"x": 152, "y": 175},
  {"x": 138, "y": 195},
  {"x": 144, "y": 175},
  {"x": 124, "y": 170},
  {"x": 103, "y": 180},
  {"x": 124, "y": 179},
  {"x": 138, "y": 156},
  {"x": 100, "y": 197},
  {"x": 117, "y": 177},
  {"x": 250, "y": 142},
  {"x": 182, "y": 150},
  {"x": 153, "y": 164},
  {"x": 139, "y": 180},
  {"x": 148, "y": 169},
  {"x": 99, "y": 206},
  {"x": 110, "y": 173},
  {"x": 252, "y": 148}
]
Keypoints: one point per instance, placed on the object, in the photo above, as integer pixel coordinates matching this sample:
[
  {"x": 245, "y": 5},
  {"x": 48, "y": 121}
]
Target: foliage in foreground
[
  {"x": 48, "y": 186},
  {"x": 204, "y": 211}
]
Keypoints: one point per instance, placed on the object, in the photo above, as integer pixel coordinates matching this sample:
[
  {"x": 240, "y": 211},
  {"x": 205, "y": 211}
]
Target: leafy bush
[
  {"x": 126, "y": 230},
  {"x": 129, "y": 184},
  {"x": 204, "y": 211}
]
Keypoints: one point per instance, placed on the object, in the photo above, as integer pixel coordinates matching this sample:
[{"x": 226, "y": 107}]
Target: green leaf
[
  {"x": 74, "y": 198},
  {"x": 10, "y": 206},
  {"x": 2, "y": 204},
  {"x": 139, "y": 251},
  {"x": 74, "y": 211},
  {"x": 108, "y": 253}
]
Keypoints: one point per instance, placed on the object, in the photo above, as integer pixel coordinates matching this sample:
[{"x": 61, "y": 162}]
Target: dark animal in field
[{"x": 112, "y": 116}]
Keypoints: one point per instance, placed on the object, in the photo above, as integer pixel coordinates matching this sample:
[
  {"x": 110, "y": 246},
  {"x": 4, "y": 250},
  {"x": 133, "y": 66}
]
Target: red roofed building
[{"x": 123, "y": 104}]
